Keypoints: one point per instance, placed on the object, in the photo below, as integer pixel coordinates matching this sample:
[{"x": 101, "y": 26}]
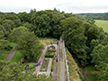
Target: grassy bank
[
  {"x": 74, "y": 70},
  {"x": 103, "y": 24}
]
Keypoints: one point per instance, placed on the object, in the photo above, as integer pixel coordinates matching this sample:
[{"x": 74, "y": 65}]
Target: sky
[{"x": 74, "y": 6}]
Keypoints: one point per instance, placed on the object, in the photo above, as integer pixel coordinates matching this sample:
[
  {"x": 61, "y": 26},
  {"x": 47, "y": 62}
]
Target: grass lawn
[
  {"x": 89, "y": 70},
  {"x": 17, "y": 57},
  {"x": 103, "y": 24},
  {"x": 12, "y": 44}
]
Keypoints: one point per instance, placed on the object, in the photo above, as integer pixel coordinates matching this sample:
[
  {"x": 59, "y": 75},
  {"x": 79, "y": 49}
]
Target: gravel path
[
  {"x": 55, "y": 69},
  {"x": 62, "y": 69},
  {"x": 12, "y": 52}
]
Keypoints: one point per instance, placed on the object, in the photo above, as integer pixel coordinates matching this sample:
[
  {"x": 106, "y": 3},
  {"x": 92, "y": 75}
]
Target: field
[{"x": 103, "y": 24}]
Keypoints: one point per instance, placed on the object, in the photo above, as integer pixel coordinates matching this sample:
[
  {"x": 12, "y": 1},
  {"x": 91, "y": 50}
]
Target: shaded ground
[{"x": 12, "y": 52}]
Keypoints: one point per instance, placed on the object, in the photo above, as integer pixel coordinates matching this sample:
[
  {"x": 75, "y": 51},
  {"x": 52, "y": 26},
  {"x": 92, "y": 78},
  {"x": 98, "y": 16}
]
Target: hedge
[
  {"x": 52, "y": 64},
  {"x": 49, "y": 56}
]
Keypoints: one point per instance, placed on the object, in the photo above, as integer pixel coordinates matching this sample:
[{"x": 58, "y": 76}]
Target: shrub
[
  {"x": 52, "y": 64},
  {"x": 50, "y": 49},
  {"x": 51, "y": 75},
  {"x": 49, "y": 56},
  {"x": 52, "y": 46},
  {"x": 31, "y": 66}
]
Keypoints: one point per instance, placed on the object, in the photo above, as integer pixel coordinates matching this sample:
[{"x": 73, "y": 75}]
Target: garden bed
[
  {"x": 50, "y": 52},
  {"x": 30, "y": 67},
  {"x": 44, "y": 65}
]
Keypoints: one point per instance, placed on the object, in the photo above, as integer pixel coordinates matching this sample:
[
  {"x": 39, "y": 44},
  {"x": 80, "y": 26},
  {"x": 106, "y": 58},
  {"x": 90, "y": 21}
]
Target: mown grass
[
  {"x": 89, "y": 71},
  {"x": 103, "y": 24},
  {"x": 17, "y": 57}
]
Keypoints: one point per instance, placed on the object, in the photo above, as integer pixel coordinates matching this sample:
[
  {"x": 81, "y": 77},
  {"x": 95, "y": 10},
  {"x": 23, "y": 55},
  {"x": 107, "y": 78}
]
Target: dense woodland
[
  {"x": 95, "y": 16},
  {"x": 86, "y": 42}
]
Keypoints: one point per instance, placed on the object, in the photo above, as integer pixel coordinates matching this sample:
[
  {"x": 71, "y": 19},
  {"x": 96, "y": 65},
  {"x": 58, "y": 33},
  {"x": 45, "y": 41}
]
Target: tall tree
[
  {"x": 73, "y": 34},
  {"x": 29, "y": 46},
  {"x": 17, "y": 33}
]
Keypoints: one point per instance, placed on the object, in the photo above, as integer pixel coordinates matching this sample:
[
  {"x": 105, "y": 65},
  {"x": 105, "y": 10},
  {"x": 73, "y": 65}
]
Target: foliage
[
  {"x": 99, "y": 55},
  {"x": 13, "y": 72},
  {"x": 29, "y": 46},
  {"x": 14, "y": 18},
  {"x": 52, "y": 65},
  {"x": 91, "y": 32},
  {"x": 29, "y": 26},
  {"x": 49, "y": 55},
  {"x": 17, "y": 33},
  {"x": 31, "y": 65},
  {"x": 105, "y": 40},
  {"x": 24, "y": 17},
  {"x": 8, "y": 25},
  {"x": 3, "y": 43},
  {"x": 73, "y": 34},
  {"x": 50, "y": 49},
  {"x": 41, "y": 23}
]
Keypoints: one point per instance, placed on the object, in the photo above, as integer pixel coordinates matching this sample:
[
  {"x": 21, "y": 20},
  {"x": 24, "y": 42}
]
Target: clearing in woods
[{"x": 103, "y": 24}]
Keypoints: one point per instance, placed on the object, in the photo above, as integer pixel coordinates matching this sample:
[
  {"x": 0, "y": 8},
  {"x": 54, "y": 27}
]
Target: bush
[
  {"x": 52, "y": 46},
  {"x": 51, "y": 75},
  {"x": 52, "y": 64},
  {"x": 50, "y": 49},
  {"x": 49, "y": 56},
  {"x": 31, "y": 66}
]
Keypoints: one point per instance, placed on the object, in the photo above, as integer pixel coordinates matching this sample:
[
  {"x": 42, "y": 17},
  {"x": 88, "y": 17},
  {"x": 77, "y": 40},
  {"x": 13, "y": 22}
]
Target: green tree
[
  {"x": 105, "y": 40},
  {"x": 17, "y": 33},
  {"x": 14, "y": 72},
  {"x": 24, "y": 17},
  {"x": 8, "y": 25},
  {"x": 99, "y": 55},
  {"x": 73, "y": 34},
  {"x": 29, "y": 26},
  {"x": 14, "y": 18},
  {"x": 41, "y": 23},
  {"x": 29, "y": 46},
  {"x": 3, "y": 43},
  {"x": 91, "y": 32}
]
